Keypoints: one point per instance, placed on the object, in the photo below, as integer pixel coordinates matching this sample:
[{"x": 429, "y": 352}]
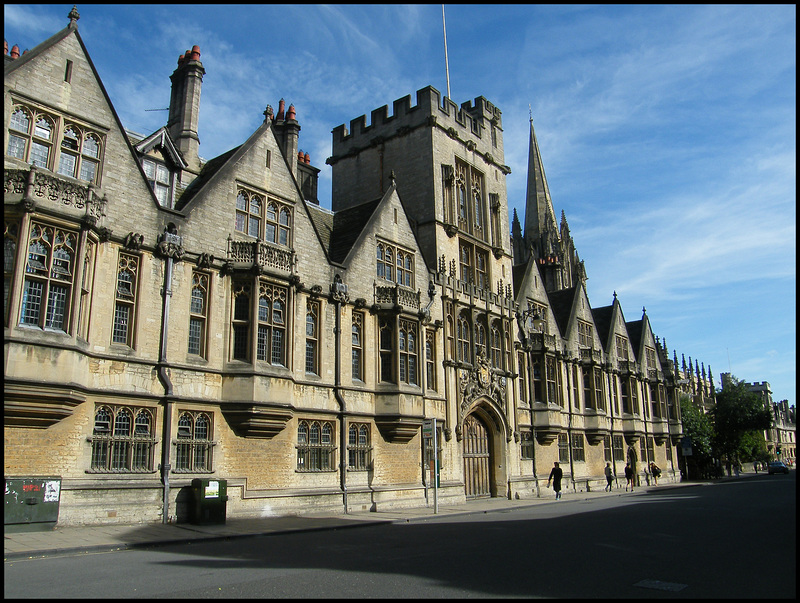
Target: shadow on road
[{"x": 695, "y": 538}]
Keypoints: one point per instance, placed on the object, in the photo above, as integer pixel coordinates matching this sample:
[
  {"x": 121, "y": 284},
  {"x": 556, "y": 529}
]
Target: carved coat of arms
[{"x": 481, "y": 380}]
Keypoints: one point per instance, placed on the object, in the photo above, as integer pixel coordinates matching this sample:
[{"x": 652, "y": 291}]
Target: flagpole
[{"x": 446, "y": 64}]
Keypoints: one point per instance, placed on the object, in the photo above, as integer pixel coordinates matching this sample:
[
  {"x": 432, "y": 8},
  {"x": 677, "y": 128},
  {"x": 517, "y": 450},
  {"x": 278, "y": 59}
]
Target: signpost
[{"x": 429, "y": 436}]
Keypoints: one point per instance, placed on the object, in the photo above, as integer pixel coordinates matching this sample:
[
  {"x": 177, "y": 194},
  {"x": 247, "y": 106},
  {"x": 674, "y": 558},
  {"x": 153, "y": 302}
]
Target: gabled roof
[
  {"x": 518, "y": 276},
  {"x": 161, "y": 139},
  {"x": 11, "y": 66},
  {"x": 338, "y": 232},
  {"x": 561, "y": 303}
]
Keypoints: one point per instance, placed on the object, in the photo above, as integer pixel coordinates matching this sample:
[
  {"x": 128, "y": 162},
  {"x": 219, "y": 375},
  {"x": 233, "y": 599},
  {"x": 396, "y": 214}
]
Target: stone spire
[{"x": 539, "y": 214}]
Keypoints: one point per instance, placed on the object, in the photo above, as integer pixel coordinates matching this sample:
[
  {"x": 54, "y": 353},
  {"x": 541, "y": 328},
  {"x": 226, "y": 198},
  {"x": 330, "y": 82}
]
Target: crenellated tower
[{"x": 448, "y": 165}]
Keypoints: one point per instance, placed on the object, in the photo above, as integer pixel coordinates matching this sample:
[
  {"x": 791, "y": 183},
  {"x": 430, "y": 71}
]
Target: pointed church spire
[
  {"x": 516, "y": 229},
  {"x": 539, "y": 214}
]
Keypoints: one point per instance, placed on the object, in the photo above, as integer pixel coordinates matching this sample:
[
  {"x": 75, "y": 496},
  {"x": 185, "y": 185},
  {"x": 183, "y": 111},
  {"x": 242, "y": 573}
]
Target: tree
[
  {"x": 737, "y": 414},
  {"x": 753, "y": 448},
  {"x": 698, "y": 426}
]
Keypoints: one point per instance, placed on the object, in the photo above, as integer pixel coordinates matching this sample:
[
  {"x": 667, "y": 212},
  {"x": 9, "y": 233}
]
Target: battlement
[{"x": 470, "y": 120}]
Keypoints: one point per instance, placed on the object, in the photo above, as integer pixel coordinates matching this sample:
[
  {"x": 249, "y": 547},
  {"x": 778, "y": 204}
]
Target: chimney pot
[
  {"x": 195, "y": 53},
  {"x": 290, "y": 114},
  {"x": 15, "y": 52},
  {"x": 299, "y": 155},
  {"x": 5, "y": 46},
  {"x": 306, "y": 158},
  {"x": 281, "y": 105}
]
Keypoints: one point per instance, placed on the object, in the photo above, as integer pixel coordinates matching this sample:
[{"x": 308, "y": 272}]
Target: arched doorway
[{"x": 477, "y": 458}]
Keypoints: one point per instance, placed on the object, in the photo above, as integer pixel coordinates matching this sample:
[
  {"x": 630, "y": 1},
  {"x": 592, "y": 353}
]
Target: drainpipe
[
  {"x": 569, "y": 430},
  {"x": 531, "y": 401},
  {"x": 339, "y": 297},
  {"x": 169, "y": 246}
]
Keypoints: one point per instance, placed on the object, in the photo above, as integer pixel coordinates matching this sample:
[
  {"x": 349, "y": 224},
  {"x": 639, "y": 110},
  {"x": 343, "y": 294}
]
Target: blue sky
[{"x": 667, "y": 132}]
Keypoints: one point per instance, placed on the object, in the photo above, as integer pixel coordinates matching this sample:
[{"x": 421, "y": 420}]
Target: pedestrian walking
[
  {"x": 655, "y": 472},
  {"x": 609, "y": 477},
  {"x": 628, "y": 477},
  {"x": 555, "y": 477}
]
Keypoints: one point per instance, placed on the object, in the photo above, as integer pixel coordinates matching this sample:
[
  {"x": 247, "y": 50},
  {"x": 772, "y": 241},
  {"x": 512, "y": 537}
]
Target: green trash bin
[
  {"x": 31, "y": 503},
  {"x": 209, "y": 500}
]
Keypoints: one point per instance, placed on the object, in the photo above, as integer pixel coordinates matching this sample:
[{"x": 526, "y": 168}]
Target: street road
[{"x": 733, "y": 539}]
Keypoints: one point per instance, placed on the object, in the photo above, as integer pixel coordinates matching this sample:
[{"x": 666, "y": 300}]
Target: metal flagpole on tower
[{"x": 446, "y": 64}]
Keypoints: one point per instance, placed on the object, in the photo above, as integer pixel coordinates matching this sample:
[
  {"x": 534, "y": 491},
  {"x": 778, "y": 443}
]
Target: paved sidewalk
[{"x": 85, "y": 539}]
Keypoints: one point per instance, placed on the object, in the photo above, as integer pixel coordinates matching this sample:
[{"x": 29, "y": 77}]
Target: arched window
[
  {"x": 198, "y": 314},
  {"x": 124, "y": 311},
  {"x": 312, "y": 337},
  {"x": 480, "y": 337},
  {"x": 315, "y": 447},
  {"x": 249, "y": 213},
  {"x": 496, "y": 345},
  {"x": 49, "y": 276},
  {"x": 358, "y": 346},
  {"x": 385, "y": 265},
  {"x": 409, "y": 354},
  {"x": 194, "y": 443},
  {"x": 358, "y": 447},
  {"x": 278, "y": 223},
  {"x": 386, "y": 347},
  {"x": 122, "y": 440},
  {"x": 395, "y": 264},
  {"x": 464, "y": 352},
  {"x": 430, "y": 359},
  {"x": 36, "y": 137},
  {"x": 240, "y": 327}
]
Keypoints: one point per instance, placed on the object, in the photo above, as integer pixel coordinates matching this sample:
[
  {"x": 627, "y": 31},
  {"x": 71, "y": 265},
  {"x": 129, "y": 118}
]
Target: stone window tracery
[
  {"x": 194, "y": 443},
  {"x": 122, "y": 440},
  {"x": 43, "y": 139}
]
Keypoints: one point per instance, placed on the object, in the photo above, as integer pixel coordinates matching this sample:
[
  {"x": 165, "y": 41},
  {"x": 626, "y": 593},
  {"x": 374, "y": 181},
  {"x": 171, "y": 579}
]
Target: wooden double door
[{"x": 477, "y": 458}]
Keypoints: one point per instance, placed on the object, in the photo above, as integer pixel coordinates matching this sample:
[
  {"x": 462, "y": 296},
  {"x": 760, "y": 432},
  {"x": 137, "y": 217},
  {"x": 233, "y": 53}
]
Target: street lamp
[{"x": 530, "y": 321}]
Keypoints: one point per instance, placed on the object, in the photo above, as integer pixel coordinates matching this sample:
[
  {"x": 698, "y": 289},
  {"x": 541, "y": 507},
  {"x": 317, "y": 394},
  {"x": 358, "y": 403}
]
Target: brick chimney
[{"x": 184, "y": 106}]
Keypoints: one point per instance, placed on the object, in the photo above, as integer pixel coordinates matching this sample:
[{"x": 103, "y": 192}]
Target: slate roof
[
  {"x": 561, "y": 305},
  {"x": 635, "y": 334},
  {"x": 602, "y": 320},
  {"x": 338, "y": 232},
  {"x": 211, "y": 167}
]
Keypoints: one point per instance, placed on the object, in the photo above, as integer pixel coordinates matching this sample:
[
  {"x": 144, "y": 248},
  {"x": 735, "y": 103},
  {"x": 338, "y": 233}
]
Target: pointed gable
[
  {"x": 81, "y": 112},
  {"x": 383, "y": 222},
  {"x": 161, "y": 140}
]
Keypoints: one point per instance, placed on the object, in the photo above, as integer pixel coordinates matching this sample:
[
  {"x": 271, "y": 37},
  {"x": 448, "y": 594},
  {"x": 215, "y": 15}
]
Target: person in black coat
[
  {"x": 628, "y": 477},
  {"x": 555, "y": 476}
]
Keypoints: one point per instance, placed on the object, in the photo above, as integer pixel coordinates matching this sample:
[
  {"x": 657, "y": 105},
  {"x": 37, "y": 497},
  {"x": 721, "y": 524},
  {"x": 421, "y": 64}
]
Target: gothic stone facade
[{"x": 170, "y": 318}]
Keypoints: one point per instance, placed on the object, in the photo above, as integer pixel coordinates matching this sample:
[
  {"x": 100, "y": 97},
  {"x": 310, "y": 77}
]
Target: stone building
[{"x": 168, "y": 318}]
